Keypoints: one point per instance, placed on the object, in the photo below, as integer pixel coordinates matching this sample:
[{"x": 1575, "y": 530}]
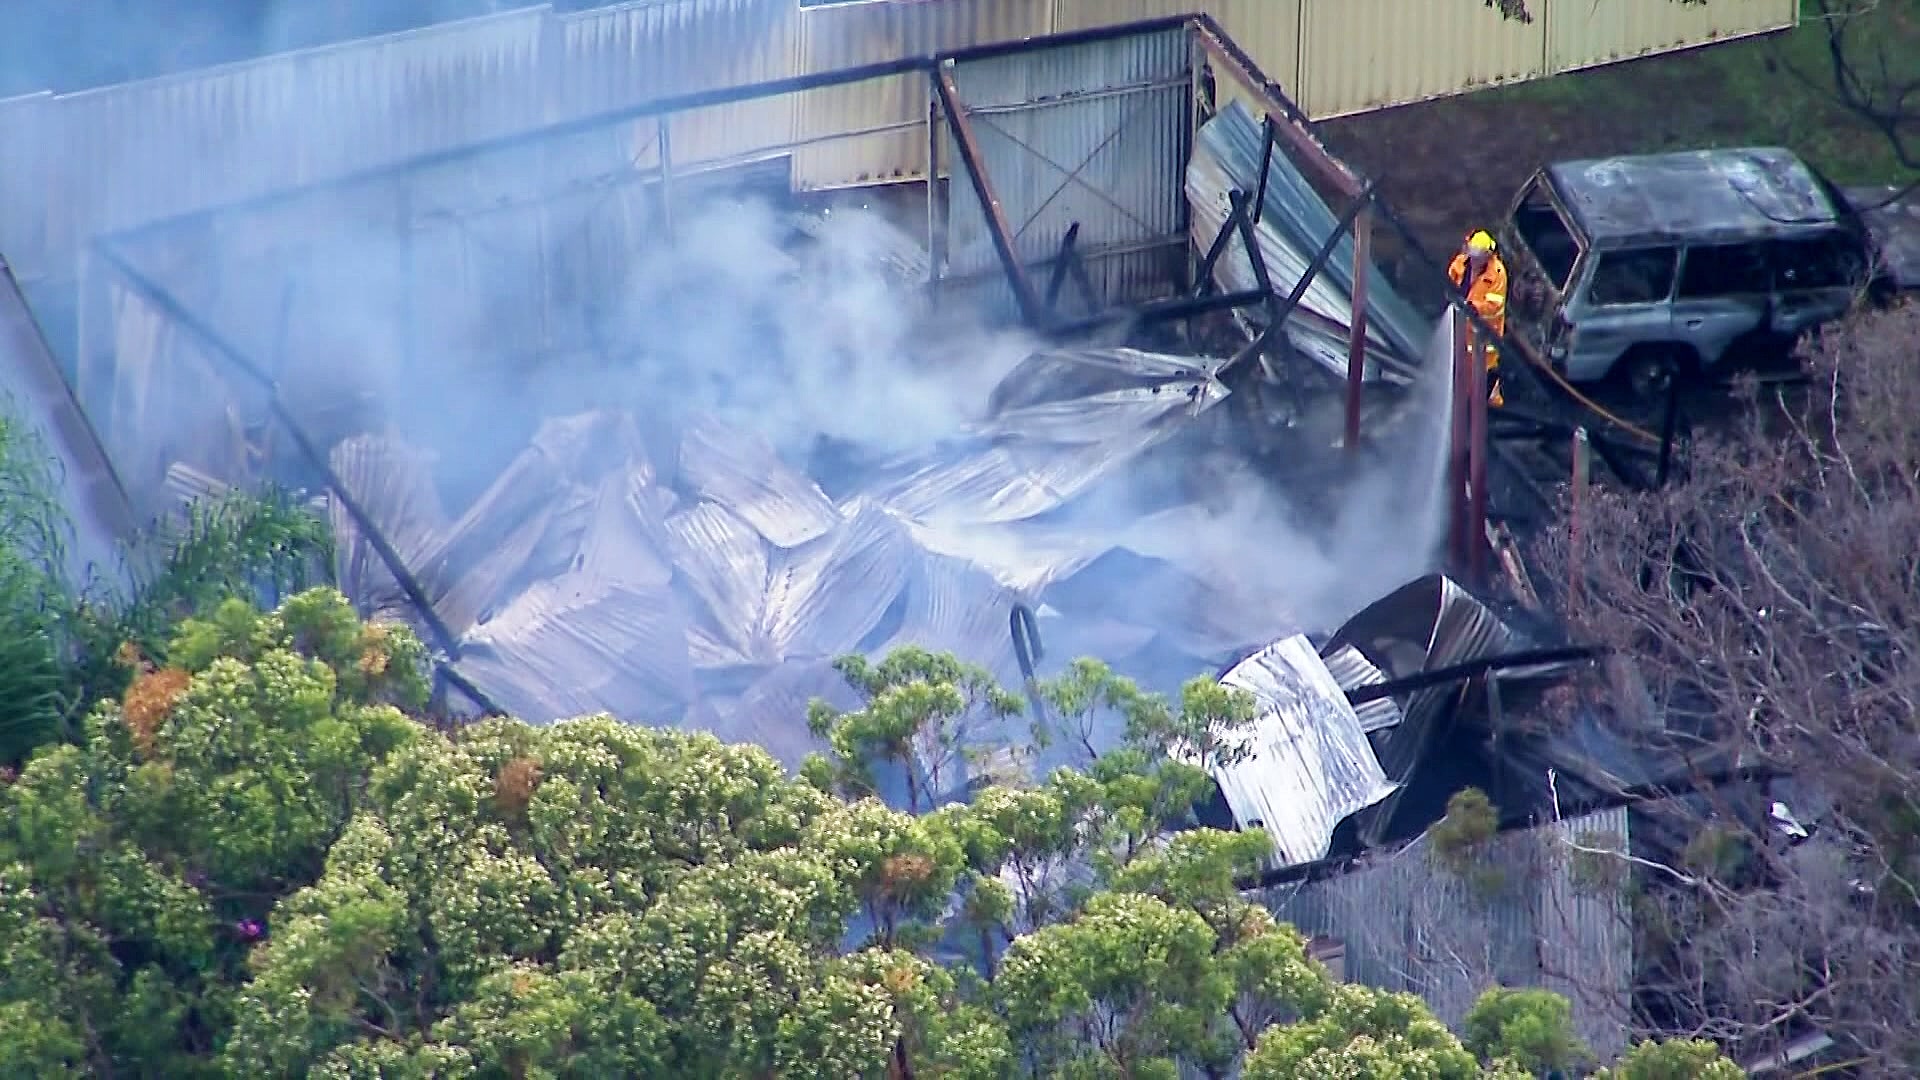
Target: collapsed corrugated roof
[
  {"x": 1311, "y": 765},
  {"x": 1294, "y": 223},
  {"x": 1059, "y": 424},
  {"x": 1425, "y": 625}
]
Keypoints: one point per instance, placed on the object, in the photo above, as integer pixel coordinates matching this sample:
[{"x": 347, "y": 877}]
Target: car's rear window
[{"x": 1546, "y": 234}]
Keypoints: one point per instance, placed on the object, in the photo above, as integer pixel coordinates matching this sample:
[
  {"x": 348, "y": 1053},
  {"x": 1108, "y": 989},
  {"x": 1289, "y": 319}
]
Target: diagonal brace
[{"x": 961, "y": 124}]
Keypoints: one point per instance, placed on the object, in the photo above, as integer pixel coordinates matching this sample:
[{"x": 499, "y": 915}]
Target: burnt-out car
[{"x": 1638, "y": 267}]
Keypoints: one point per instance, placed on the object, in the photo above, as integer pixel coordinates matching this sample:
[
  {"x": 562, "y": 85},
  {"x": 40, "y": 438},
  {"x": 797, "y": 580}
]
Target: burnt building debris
[{"x": 1229, "y": 451}]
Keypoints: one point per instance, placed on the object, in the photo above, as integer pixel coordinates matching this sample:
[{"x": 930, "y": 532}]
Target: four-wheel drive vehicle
[{"x": 1635, "y": 267}]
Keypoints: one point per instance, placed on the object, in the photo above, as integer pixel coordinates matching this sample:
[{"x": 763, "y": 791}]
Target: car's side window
[
  {"x": 1725, "y": 270},
  {"x": 1832, "y": 260},
  {"x": 1633, "y": 277}
]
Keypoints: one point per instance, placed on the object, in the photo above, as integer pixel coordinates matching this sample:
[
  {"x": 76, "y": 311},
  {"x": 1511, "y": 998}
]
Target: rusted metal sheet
[
  {"x": 1092, "y": 134},
  {"x": 890, "y": 114},
  {"x": 1361, "y": 56},
  {"x": 1583, "y": 34}
]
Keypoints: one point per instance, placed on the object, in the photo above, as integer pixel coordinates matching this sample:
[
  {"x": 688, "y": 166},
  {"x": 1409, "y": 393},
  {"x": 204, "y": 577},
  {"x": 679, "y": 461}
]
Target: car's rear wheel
[{"x": 1650, "y": 370}]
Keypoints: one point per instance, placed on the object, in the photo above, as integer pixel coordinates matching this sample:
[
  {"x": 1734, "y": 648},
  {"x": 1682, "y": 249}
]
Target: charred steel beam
[
  {"x": 1156, "y": 311},
  {"x": 1203, "y": 278},
  {"x": 1250, "y": 240},
  {"x": 1027, "y": 652},
  {"x": 1266, "y": 166},
  {"x": 1473, "y": 669},
  {"x": 724, "y": 95},
  {"x": 207, "y": 336},
  {"x": 1059, "y": 275},
  {"x": 1289, "y": 122},
  {"x": 1357, "y": 324},
  {"x": 960, "y": 122},
  {"x": 1668, "y": 428}
]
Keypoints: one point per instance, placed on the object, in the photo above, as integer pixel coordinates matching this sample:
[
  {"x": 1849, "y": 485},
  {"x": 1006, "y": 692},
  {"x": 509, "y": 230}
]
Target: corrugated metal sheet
[
  {"x": 1311, "y": 765},
  {"x": 1295, "y": 222},
  {"x": 1365, "y": 55},
  {"x": 1581, "y": 33},
  {"x": 892, "y": 112},
  {"x": 1425, "y": 625},
  {"x": 24, "y": 181},
  {"x": 636, "y": 52},
  {"x": 1269, "y": 30},
  {"x": 144, "y": 151},
  {"x": 1586, "y": 929},
  {"x": 1352, "y": 670},
  {"x": 1092, "y": 134},
  {"x": 1408, "y": 924}
]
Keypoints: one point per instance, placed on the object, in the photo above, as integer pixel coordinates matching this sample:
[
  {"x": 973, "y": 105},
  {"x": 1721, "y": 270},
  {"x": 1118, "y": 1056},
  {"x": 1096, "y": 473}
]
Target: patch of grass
[{"x": 1776, "y": 90}]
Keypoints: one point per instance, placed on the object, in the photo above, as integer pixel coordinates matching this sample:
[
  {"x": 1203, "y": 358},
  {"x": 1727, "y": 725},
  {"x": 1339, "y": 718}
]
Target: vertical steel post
[
  {"x": 666, "y": 174},
  {"x": 1477, "y": 467},
  {"x": 936, "y": 238},
  {"x": 1357, "y": 324},
  {"x": 1582, "y": 456},
  {"x": 1457, "y": 463}
]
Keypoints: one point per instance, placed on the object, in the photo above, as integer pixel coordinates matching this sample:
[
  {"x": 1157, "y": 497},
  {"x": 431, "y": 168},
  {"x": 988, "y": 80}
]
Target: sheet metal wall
[
  {"x": 636, "y": 52},
  {"x": 127, "y": 155},
  {"x": 117, "y": 157},
  {"x": 893, "y": 111},
  {"x": 1094, "y": 134},
  {"x": 1415, "y": 49},
  {"x": 1582, "y": 34}
]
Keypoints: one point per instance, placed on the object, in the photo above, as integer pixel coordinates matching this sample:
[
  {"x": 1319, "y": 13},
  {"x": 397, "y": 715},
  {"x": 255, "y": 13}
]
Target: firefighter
[{"x": 1482, "y": 278}]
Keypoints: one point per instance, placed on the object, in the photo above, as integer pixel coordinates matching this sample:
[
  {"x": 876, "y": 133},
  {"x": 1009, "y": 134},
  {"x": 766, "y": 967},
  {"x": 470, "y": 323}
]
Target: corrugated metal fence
[
  {"x": 99, "y": 161},
  {"x": 1538, "y": 908}
]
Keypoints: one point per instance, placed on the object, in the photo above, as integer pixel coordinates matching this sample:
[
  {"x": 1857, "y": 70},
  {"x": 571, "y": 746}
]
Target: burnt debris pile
[{"x": 701, "y": 579}]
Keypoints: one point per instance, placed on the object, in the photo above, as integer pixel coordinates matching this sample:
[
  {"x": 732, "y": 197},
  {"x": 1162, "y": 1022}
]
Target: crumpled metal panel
[
  {"x": 1425, "y": 625},
  {"x": 1041, "y": 449},
  {"x": 470, "y": 571},
  {"x": 738, "y": 469},
  {"x": 766, "y": 605},
  {"x": 574, "y": 646},
  {"x": 955, "y": 606},
  {"x": 1311, "y": 765},
  {"x": 392, "y": 481},
  {"x": 1352, "y": 670},
  {"x": 773, "y": 711},
  {"x": 1023, "y": 560},
  {"x": 1293, "y": 225}
]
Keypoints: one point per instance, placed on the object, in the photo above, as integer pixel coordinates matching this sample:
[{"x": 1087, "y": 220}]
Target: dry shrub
[
  {"x": 514, "y": 785},
  {"x": 148, "y": 702},
  {"x": 1769, "y": 602}
]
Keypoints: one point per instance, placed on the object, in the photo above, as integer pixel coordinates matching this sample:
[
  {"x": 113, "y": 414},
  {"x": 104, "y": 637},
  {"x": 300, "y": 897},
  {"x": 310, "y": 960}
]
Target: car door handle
[{"x": 1695, "y": 324}]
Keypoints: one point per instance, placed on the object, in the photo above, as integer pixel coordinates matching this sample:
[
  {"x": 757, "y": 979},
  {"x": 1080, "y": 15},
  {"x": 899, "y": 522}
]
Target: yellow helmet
[{"x": 1481, "y": 242}]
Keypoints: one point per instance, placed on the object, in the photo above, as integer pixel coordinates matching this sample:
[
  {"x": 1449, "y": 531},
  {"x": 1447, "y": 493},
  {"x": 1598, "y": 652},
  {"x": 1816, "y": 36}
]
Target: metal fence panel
[
  {"x": 1581, "y": 33},
  {"x": 1526, "y": 914},
  {"x": 1094, "y": 134},
  {"x": 1357, "y": 56}
]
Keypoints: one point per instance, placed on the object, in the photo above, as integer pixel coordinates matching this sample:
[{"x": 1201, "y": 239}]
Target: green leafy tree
[
  {"x": 254, "y": 864},
  {"x": 61, "y": 641}
]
